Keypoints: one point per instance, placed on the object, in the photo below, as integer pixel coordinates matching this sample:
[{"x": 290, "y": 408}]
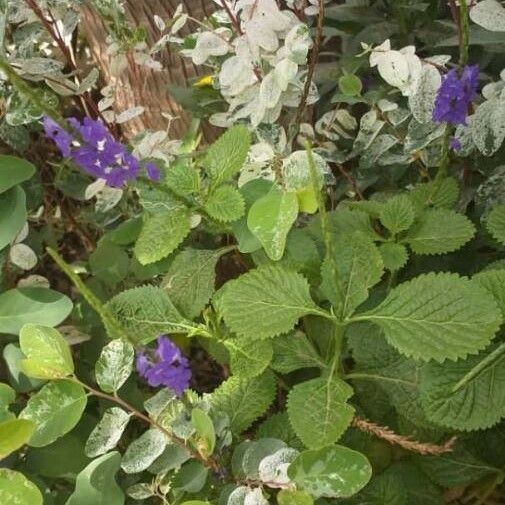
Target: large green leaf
[
  {"x": 55, "y": 410},
  {"x": 437, "y": 317},
  {"x": 266, "y": 302},
  {"x": 270, "y": 218},
  {"x": 293, "y": 351},
  {"x": 14, "y": 434},
  {"x": 114, "y": 365},
  {"x": 12, "y": 214},
  {"x": 14, "y": 171},
  {"x": 332, "y": 472},
  {"x": 190, "y": 280},
  {"x": 147, "y": 312},
  {"x": 161, "y": 234},
  {"x": 496, "y": 223},
  {"x": 244, "y": 400},
  {"x": 359, "y": 266},
  {"x": 441, "y": 193},
  {"x": 398, "y": 214},
  {"x": 227, "y": 155},
  {"x": 385, "y": 489},
  {"x": 107, "y": 432},
  {"x": 319, "y": 412},
  {"x": 225, "y": 204},
  {"x": 16, "y": 489},
  {"x": 32, "y": 305},
  {"x": 96, "y": 484},
  {"x": 493, "y": 281},
  {"x": 48, "y": 354},
  {"x": 440, "y": 231},
  {"x": 463, "y": 395},
  {"x": 248, "y": 358}
]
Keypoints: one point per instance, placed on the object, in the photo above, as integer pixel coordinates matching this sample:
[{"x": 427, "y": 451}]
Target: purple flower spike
[
  {"x": 455, "y": 96},
  {"x": 97, "y": 152},
  {"x": 167, "y": 367},
  {"x": 60, "y": 137}
]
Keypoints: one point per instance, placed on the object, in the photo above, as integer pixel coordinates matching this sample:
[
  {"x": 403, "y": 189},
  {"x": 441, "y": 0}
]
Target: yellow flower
[{"x": 206, "y": 80}]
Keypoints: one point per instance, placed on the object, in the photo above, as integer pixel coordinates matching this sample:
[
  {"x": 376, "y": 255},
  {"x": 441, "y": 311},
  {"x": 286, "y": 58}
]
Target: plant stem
[
  {"x": 209, "y": 463},
  {"x": 464, "y": 30},
  {"x": 314, "y": 55}
]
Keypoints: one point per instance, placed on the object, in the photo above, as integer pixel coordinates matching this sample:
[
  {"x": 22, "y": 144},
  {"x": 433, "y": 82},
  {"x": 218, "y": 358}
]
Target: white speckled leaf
[
  {"x": 107, "y": 432},
  {"x": 114, "y": 365}
]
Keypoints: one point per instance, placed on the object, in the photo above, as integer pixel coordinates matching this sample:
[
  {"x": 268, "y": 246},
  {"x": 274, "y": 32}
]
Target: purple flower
[
  {"x": 60, "y": 137},
  {"x": 165, "y": 366},
  {"x": 455, "y": 144},
  {"x": 455, "y": 96},
  {"x": 97, "y": 152}
]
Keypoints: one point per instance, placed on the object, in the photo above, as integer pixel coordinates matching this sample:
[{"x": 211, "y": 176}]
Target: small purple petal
[
  {"x": 455, "y": 144},
  {"x": 455, "y": 96},
  {"x": 167, "y": 367},
  {"x": 60, "y": 137},
  {"x": 153, "y": 172}
]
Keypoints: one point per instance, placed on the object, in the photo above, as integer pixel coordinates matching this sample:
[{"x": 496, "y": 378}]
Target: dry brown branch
[{"x": 384, "y": 433}]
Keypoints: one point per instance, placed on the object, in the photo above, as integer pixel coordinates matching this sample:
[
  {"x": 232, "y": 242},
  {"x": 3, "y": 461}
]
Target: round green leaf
[
  {"x": 12, "y": 214},
  {"x": 287, "y": 497},
  {"x": 16, "y": 489},
  {"x": 7, "y": 396},
  {"x": 47, "y": 352},
  {"x": 350, "y": 85},
  {"x": 332, "y": 472},
  {"x": 55, "y": 410},
  {"x": 32, "y": 305},
  {"x": 14, "y": 171},
  {"x": 96, "y": 484},
  {"x": 13, "y": 357},
  {"x": 13, "y": 435}
]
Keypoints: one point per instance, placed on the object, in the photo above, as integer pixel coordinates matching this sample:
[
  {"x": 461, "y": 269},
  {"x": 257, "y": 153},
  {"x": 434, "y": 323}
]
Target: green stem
[
  {"x": 110, "y": 322},
  {"x": 464, "y": 27},
  {"x": 325, "y": 224},
  {"x": 374, "y": 377}
]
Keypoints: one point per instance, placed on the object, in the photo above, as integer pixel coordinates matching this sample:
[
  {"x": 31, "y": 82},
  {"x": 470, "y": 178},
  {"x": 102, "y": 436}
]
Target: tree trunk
[{"x": 139, "y": 85}]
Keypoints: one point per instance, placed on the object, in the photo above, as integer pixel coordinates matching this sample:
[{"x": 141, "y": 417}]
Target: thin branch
[
  {"x": 209, "y": 463},
  {"x": 314, "y": 55},
  {"x": 407, "y": 443},
  {"x": 351, "y": 181}
]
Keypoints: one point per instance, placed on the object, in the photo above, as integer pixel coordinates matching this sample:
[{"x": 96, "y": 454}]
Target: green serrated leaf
[
  {"x": 493, "y": 281},
  {"x": 319, "y": 412},
  {"x": 143, "y": 451},
  {"x": 458, "y": 468},
  {"x": 293, "y": 351},
  {"x": 442, "y": 194},
  {"x": 453, "y": 396},
  {"x": 440, "y": 231},
  {"x": 278, "y": 426},
  {"x": 107, "y": 432},
  {"x": 147, "y": 312},
  {"x": 270, "y": 218},
  {"x": 244, "y": 400},
  {"x": 48, "y": 354},
  {"x": 249, "y": 358},
  {"x": 227, "y": 155},
  {"x": 161, "y": 234},
  {"x": 16, "y": 489},
  {"x": 182, "y": 178},
  {"x": 496, "y": 224},
  {"x": 14, "y": 433},
  {"x": 385, "y": 489},
  {"x": 331, "y": 472},
  {"x": 437, "y": 317},
  {"x": 394, "y": 256},
  {"x": 96, "y": 484},
  {"x": 190, "y": 280},
  {"x": 266, "y": 302},
  {"x": 114, "y": 365},
  {"x": 359, "y": 266},
  {"x": 397, "y": 214},
  {"x": 55, "y": 410},
  {"x": 225, "y": 204}
]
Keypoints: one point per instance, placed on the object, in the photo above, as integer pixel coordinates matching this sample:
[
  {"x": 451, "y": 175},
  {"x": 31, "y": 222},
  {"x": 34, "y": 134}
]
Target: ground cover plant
[{"x": 281, "y": 281}]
